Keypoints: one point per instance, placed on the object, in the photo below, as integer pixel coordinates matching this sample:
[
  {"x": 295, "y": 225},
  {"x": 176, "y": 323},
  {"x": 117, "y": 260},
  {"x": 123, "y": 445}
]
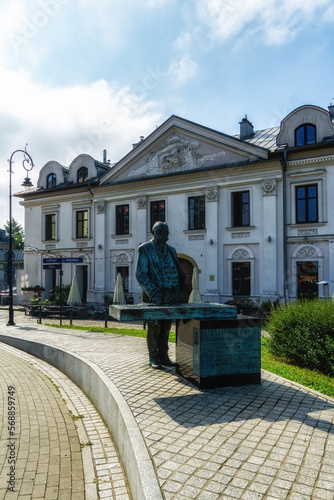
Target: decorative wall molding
[
  {"x": 240, "y": 253},
  {"x": 307, "y": 232},
  {"x": 269, "y": 187},
  {"x": 211, "y": 194},
  {"x": 141, "y": 201},
  {"x": 196, "y": 237},
  {"x": 176, "y": 154},
  {"x": 306, "y": 252},
  {"x": 100, "y": 207},
  {"x": 240, "y": 235}
]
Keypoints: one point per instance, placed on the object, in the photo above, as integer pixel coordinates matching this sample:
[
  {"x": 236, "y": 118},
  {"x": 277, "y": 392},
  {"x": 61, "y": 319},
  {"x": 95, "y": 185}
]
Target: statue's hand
[{"x": 157, "y": 299}]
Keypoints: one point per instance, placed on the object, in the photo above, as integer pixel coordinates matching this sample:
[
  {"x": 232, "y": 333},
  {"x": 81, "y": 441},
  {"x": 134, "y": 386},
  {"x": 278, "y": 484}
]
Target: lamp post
[{"x": 28, "y": 165}]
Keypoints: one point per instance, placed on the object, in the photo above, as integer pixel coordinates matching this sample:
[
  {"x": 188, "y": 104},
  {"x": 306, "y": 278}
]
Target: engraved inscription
[{"x": 226, "y": 351}]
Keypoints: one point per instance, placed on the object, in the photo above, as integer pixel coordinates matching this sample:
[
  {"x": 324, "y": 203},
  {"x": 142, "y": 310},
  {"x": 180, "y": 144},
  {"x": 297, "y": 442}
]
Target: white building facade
[{"x": 254, "y": 213}]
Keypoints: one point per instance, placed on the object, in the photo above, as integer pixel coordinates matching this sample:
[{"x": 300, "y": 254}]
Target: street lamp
[{"x": 28, "y": 165}]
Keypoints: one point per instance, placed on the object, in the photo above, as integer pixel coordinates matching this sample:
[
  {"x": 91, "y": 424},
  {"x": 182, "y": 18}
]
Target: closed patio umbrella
[
  {"x": 119, "y": 297},
  {"x": 195, "y": 296},
  {"x": 74, "y": 297}
]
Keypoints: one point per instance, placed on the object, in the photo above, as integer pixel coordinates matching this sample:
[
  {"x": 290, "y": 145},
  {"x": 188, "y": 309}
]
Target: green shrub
[
  {"x": 303, "y": 332},
  {"x": 58, "y": 296},
  {"x": 266, "y": 307}
]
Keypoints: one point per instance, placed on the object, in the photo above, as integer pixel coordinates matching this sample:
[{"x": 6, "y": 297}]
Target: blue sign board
[
  {"x": 59, "y": 260},
  {"x": 51, "y": 266},
  {"x": 72, "y": 259}
]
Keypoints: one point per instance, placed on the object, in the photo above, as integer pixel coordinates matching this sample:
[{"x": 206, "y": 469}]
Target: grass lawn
[{"x": 309, "y": 378}]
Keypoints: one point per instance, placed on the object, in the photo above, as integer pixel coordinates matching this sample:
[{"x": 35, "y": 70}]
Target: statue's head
[{"x": 160, "y": 232}]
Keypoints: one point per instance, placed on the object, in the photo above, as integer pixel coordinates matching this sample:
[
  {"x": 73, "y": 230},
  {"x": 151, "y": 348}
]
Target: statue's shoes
[
  {"x": 155, "y": 364},
  {"x": 165, "y": 361}
]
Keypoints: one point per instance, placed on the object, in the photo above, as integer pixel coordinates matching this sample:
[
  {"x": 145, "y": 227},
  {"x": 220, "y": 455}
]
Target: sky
[{"x": 80, "y": 76}]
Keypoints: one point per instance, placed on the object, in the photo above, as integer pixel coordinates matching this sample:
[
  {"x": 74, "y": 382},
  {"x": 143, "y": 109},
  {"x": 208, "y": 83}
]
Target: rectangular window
[
  {"x": 50, "y": 227},
  {"x": 307, "y": 278},
  {"x": 196, "y": 212},
  {"x": 241, "y": 279},
  {"x": 122, "y": 219},
  {"x": 240, "y": 209},
  {"x": 306, "y": 204},
  {"x": 124, "y": 272},
  {"x": 82, "y": 224},
  {"x": 158, "y": 212}
]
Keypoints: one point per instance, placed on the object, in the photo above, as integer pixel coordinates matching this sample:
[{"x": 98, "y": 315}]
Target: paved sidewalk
[
  {"x": 40, "y": 453},
  {"x": 268, "y": 441}
]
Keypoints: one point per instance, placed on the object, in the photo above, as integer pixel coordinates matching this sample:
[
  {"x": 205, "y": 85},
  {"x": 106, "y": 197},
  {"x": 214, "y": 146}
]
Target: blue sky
[{"x": 80, "y": 76}]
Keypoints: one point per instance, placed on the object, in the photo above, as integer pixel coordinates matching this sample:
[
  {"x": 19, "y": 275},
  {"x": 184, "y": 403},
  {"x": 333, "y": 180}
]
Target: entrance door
[
  {"x": 82, "y": 277},
  {"x": 241, "y": 276},
  {"x": 50, "y": 281},
  {"x": 307, "y": 278},
  {"x": 187, "y": 268}
]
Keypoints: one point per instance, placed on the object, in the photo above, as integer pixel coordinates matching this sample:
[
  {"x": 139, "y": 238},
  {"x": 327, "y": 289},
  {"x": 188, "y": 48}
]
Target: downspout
[{"x": 285, "y": 245}]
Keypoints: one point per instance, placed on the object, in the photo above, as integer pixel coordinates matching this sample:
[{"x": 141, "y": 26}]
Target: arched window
[
  {"x": 305, "y": 134},
  {"x": 83, "y": 174},
  {"x": 51, "y": 181}
]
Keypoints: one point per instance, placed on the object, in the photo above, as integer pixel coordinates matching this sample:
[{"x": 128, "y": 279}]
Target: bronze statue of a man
[{"x": 162, "y": 279}]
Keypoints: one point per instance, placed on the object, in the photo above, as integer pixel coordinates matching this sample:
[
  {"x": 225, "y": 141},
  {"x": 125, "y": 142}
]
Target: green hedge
[{"x": 303, "y": 332}]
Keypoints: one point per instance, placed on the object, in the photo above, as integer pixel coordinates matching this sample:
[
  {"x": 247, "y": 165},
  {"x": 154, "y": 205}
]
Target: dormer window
[
  {"x": 82, "y": 174},
  {"x": 51, "y": 181},
  {"x": 305, "y": 134}
]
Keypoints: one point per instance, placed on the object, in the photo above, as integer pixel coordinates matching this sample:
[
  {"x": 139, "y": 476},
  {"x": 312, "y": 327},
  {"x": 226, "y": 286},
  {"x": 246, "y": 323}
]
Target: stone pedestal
[
  {"x": 219, "y": 353},
  {"x": 214, "y": 347}
]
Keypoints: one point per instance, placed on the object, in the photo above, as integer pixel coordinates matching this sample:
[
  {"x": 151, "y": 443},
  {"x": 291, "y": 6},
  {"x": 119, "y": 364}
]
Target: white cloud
[
  {"x": 183, "y": 70},
  {"x": 272, "y": 21},
  {"x": 60, "y": 123}
]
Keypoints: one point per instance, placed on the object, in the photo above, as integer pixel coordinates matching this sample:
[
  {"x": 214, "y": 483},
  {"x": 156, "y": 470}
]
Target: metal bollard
[{"x": 106, "y": 314}]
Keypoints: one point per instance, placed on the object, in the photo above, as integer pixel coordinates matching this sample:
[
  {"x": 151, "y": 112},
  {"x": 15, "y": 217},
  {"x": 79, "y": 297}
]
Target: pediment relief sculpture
[{"x": 176, "y": 154}]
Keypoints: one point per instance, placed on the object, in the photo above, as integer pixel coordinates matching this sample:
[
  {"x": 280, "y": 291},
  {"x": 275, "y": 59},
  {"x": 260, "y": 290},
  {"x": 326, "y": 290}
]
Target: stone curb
[{"x": 112, "y": 407}]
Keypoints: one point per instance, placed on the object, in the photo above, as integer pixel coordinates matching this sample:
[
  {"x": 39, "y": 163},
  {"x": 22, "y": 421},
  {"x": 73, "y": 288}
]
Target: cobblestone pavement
[
  {"x": 103, "y": 474},
  {"x": 269, "y": 441},
  {"x": 39, "y": 446}
]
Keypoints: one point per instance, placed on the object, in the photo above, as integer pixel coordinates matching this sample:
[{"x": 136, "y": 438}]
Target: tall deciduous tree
[{"x": 18, "y": 234}]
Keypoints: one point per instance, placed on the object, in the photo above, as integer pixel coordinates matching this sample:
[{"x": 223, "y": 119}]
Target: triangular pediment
[{"x": 179, "y": 146}]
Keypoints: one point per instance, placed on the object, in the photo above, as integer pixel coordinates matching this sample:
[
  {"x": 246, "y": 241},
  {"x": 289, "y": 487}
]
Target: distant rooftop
[{"x": 265, "y": 138}]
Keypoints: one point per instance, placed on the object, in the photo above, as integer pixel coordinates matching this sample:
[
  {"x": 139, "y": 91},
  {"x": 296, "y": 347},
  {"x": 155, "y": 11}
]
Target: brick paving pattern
[
  {"x": 108, "y": 479},
  {"x": 44, "y": 442},
  {"x": 269, "y": 441}
]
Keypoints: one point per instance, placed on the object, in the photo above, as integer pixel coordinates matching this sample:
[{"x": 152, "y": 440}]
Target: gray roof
[
  {"x": 18, "y": 255},
  {"x": 265, "y": 138}
]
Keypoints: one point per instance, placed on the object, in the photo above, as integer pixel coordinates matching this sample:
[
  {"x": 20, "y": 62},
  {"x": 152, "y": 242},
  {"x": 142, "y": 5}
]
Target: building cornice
[{"x": 320, "y": 160}]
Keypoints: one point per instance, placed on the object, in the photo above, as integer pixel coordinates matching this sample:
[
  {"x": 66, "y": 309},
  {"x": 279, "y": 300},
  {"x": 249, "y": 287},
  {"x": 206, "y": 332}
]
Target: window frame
[
  {"x": 51, "y": 180},
  {"x": 80, "y": 178},
  {"x": 122, "y": 220},
  {"x": 307, "y": 200},
  {"x": 237, "y": 205},
  {"x": 194, "y": 223},
  {"x": 50, "y": 228},
  {"x": 83, "y": 233},
  {"x": 306, "y": 140},
  {"x": 159, "y": 213}
]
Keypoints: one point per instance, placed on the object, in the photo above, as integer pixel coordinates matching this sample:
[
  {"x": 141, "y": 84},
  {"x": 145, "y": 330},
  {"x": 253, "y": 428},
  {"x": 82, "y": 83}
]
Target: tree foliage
[{"x": 18, "y": 234}]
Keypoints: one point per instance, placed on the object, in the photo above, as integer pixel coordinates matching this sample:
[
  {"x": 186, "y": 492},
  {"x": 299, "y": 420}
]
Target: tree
[{"x": 18, "y": 234}]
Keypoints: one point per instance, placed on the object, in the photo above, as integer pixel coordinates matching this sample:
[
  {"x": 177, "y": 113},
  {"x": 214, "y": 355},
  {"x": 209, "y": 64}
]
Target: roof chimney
[
  {"x": 246, "y": 129},
  {"x": 331, "y": 111}
]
